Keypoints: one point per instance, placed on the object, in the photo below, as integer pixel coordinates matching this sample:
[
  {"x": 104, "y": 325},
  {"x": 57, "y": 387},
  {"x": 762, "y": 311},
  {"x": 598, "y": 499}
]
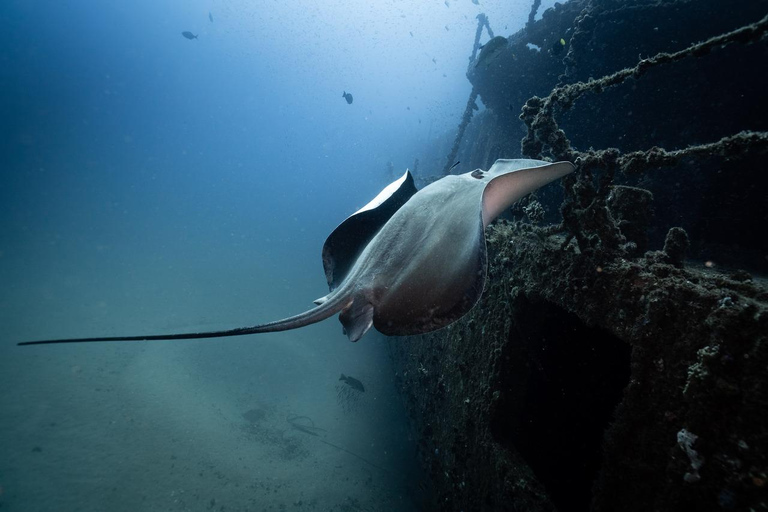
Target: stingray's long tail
[{"x": 330, "y": 307}]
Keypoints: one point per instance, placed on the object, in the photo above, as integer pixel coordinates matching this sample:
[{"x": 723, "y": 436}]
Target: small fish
[
  {"x": 347, "y": 96},
  {"x": 189, "y": 35},
  {"x": 353, "y": 383},
  {"x": 478, "y": 3},
  {"x": 454, "y": 165},
  {"x": 558, "y": 47},
  {"x": 447, "y": 4},
  {"x": 411, "y": 33},
  {"x": 210, "y": 17},
  {"x": 433, "y": 60}
]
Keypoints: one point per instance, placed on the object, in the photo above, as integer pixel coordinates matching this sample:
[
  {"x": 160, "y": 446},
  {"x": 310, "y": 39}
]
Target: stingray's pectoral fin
[{"x": 357, "y": 319}]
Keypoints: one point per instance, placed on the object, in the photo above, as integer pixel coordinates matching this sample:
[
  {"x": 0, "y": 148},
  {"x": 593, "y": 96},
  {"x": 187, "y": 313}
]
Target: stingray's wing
[
  {"x": 346, "y": 242},
  {"x": 508, "y": 181}
]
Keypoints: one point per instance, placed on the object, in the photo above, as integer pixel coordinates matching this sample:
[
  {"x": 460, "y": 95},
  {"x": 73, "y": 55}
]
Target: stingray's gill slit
[{"x": 408, "y": 262}]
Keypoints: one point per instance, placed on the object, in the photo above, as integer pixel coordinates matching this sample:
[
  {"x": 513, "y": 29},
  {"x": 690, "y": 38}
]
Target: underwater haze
[{"x": 153, "y": 182}]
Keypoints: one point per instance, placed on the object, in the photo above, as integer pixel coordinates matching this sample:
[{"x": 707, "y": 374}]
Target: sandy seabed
[{"x": 200, "y": 425}]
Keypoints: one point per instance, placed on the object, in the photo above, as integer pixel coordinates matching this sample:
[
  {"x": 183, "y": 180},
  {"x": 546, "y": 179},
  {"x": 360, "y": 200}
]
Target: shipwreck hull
[
  {"x": 616, "y": 361},
  {"x": 572, "y": 378}
]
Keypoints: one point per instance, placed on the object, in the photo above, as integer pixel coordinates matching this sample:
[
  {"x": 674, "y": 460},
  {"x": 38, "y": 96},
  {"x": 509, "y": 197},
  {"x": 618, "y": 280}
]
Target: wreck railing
[{"x": 584, "y": 211}]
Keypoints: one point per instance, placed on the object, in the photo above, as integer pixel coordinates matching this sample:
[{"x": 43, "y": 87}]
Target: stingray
[{"x": 409, "y": 262}]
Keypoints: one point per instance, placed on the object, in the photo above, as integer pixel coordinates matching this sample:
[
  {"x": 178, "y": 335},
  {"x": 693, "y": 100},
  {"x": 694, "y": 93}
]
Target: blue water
[{"x": 151, "y": 184}]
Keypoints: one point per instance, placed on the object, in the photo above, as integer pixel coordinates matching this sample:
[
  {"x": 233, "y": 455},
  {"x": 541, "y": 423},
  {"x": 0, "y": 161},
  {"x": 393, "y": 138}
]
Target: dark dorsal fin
[{"x": 346, "y": 242}]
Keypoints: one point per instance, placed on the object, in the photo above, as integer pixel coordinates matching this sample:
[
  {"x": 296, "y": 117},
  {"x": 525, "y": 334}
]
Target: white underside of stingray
[{"x": 409, "y": 262}]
